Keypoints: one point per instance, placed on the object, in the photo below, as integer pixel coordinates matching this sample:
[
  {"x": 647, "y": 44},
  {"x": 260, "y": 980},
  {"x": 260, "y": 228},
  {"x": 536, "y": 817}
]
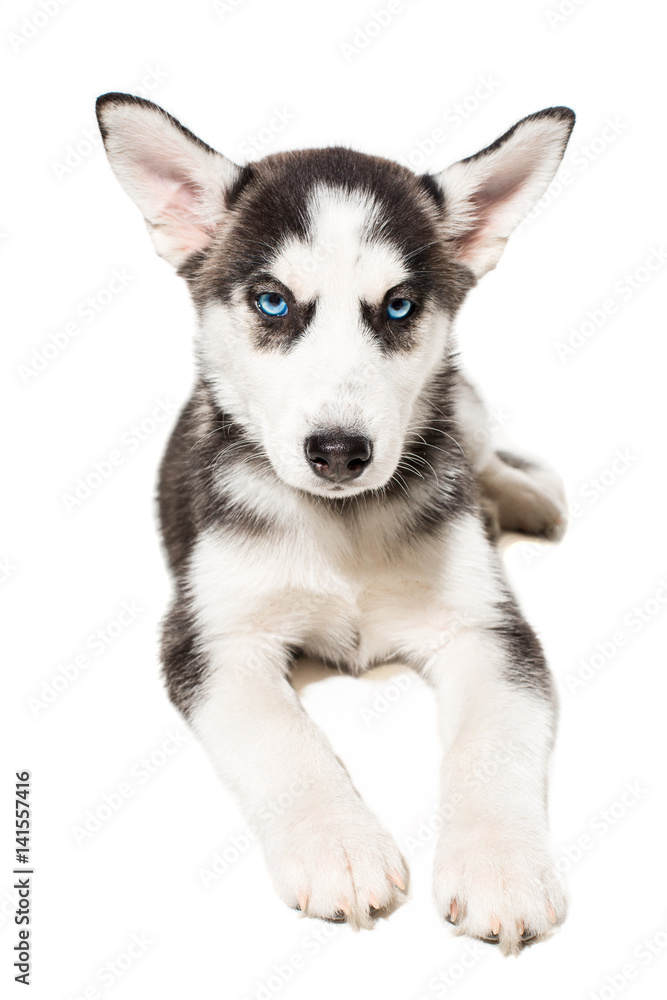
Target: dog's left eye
[
  {"x": 272, "y": 304},
  {"x": 399, "y": 308}
]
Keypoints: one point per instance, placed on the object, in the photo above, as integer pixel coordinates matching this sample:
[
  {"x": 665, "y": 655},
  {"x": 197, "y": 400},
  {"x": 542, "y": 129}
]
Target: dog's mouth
[
  {"x": 374, "y": 482},
  {"x": 339, "y": 491}
]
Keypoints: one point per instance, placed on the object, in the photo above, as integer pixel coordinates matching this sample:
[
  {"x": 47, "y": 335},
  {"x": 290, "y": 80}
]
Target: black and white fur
[{"x": 272, "y": 561}]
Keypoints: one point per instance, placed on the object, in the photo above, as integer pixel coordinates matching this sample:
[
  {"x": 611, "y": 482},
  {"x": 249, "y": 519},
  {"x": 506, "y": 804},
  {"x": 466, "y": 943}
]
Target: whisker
[
  {"x": 402, "y": 483},
  {"x": 438, "y": 430}
]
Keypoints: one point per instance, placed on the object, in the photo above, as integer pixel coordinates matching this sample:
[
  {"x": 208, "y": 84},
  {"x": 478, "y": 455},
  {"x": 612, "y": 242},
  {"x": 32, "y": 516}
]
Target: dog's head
[{"x": 326, "y": 280}]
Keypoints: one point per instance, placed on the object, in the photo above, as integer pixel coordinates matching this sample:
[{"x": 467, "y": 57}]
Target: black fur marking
[
  {"x": 563, "y": 114},
  {"x": 191, "y": 266},
  {"x": 270, "y": 204},
  {"x": 430, "y": 184},
  {"x": 281, "y": 332},
  {"x": 528, "y": 667},
  {"x": 393, "y": 335},
  {"x": 114, "y": 98},
  {"x": 433, "y": 455},
  {"x": 184, "y": 662},
  {"x": 397, "y": 335},
  {"x": 245, "y": 177},
  {"x": 190, "y": 499}
]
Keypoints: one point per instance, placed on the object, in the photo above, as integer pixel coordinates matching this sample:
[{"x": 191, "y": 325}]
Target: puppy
[{"x": 330, "y": 490}]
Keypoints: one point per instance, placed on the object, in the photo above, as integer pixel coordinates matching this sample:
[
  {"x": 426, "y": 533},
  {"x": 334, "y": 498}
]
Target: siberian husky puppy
[{"x": 330, "y": 489}]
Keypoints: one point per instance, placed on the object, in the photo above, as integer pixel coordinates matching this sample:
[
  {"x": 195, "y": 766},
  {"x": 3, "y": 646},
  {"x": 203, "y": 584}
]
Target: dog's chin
[{"x": 334, "y": 491}]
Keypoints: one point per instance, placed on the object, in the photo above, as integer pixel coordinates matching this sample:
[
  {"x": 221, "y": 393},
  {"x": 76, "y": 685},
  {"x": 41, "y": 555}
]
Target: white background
[{"x": 67, "y": 573}]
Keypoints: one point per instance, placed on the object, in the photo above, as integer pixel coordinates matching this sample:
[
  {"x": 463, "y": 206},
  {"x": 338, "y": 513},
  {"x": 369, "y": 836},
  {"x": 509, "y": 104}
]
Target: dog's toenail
[{"x": 396, "y": 879}]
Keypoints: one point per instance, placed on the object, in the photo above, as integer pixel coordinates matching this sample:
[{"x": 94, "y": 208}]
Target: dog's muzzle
[{"x": 338, "y": 456}]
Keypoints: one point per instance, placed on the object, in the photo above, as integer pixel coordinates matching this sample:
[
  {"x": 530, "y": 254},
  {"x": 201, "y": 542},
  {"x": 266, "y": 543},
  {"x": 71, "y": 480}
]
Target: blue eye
[
  {"x": 272, "y": 304},
  {"x": 399, "y": 308}
]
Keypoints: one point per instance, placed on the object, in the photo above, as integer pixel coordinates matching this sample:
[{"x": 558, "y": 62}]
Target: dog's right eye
[
  {"x": 400, "y": 308},
  {"x": 272, "y": 304}
]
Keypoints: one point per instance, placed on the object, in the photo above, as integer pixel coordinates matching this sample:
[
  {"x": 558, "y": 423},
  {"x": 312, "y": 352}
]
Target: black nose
[{"x": 338, "y": 456}]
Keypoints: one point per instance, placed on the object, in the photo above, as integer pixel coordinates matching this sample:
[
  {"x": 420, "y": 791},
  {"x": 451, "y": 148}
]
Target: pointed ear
[
  {"x": 488, "y": 194},
  {"x": 179, "y": 183}
]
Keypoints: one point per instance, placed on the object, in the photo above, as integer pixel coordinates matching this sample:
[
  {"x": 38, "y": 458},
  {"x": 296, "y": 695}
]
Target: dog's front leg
[
  {"x": 325, "y": 850},
  {"x": 494, "y": 875}
]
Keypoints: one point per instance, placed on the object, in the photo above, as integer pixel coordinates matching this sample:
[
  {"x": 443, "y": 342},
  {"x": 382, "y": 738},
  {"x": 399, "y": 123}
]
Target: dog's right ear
[{"x": 179, "y": 183}]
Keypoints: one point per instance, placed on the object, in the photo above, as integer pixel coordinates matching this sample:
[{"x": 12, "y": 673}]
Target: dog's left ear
[
  {"x": 488, "y": 194},
  {"x": 179, "y": 183}
]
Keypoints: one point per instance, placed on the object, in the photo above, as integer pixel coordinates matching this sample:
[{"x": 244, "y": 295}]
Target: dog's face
[
  {"x": 325, "y": 305},
  {"x": 326, "y": 280}
]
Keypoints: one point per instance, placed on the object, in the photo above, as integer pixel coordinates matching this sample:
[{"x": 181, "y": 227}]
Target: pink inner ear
[
  {"x": 500, "y": 188},
  {"x": 182, "y": 199},
  {"x": 190, "y": 238},
  {"x": 179, "y": 208},
  {"x": 490, "y": 201}
]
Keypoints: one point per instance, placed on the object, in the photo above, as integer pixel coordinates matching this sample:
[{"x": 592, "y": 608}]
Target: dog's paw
[
  {"x": 338, "y": 865},
  {"x": 502, "y": 890},
  {"x": 523, "y": 496}
]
